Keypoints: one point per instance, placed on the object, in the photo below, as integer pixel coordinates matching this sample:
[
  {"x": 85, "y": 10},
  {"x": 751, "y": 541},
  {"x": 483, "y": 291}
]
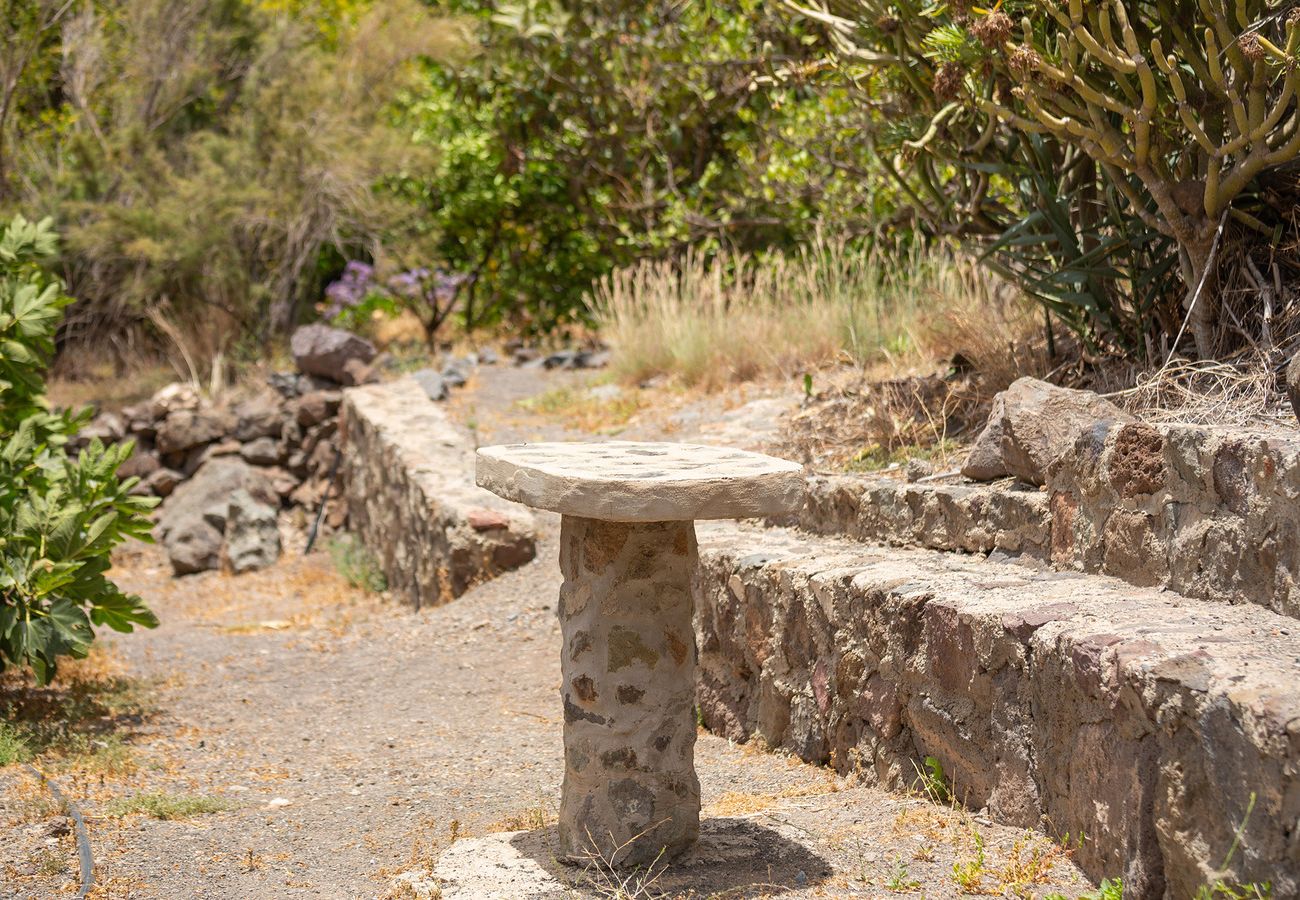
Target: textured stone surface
[
  {"x": 325, "y": 351},
  {"x": 1143, "y": 719},
  {"x": 1031, "y": 424},
  {"x": 629, "y": 481},
  {"x": 628, "y": 682},
  {"x": 252, "y": 535},
  {"x": 191, "y": 524},
  {"x": 407, "y": 479},
  {"x": 185, "y": 429},
  {"x": 1209, "y": 513},
  {"x": 961, "y": 517}
]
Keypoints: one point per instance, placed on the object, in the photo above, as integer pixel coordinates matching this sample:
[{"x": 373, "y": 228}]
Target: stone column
[{"x": 630, "y": 792}]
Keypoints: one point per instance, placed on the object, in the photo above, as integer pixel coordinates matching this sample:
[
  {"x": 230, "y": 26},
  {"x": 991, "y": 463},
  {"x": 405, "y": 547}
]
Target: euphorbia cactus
[{"x": 1181, "y": 104}]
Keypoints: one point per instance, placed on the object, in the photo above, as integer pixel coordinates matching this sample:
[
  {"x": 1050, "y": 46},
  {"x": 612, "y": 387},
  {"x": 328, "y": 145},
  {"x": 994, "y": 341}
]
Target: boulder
[
  {"x": 252, "y": 536},
  {"x": 325, "y": 351},
  {"x": 259, "y": 417},
  {"x": 185, "y": 429},
  {"x": 192, "y": 522},
  {"x": 1293, "y": 384},
  {"x": 1031, "y": 424}
]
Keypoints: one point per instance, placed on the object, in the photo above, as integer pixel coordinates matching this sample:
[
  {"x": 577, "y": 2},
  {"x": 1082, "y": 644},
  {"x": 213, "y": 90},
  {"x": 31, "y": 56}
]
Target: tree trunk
[{"x": 1202, "y": 310}]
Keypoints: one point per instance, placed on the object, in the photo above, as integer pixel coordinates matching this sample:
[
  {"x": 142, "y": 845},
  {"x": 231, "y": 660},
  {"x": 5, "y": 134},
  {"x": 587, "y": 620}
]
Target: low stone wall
[
  {"x": 1072, "y": 702},
  {"x": 408, "y": 478},
  {"x": 1207, "y": 513},
  {"x": 1211, "y": 515},
  {"x": 962, "y": 517}
]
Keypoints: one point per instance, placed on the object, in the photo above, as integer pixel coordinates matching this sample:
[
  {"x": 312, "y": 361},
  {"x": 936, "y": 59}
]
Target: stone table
[{"x": 627, "y": 553}]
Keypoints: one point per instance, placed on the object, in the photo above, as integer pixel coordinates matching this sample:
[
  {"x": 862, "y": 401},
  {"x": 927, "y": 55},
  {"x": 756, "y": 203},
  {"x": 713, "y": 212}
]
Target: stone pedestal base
[{"x": 630, "y": 792}]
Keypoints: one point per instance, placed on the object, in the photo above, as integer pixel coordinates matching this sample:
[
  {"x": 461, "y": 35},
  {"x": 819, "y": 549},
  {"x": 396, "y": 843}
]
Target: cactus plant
[{"x": 1181, "y": 106}]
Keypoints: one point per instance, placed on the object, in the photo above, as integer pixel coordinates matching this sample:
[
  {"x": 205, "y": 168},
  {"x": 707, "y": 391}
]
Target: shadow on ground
[{"x": 735, "y": 857}]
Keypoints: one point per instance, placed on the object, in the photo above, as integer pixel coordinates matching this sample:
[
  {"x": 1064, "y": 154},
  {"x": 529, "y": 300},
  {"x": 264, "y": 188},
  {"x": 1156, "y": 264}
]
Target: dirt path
[{"x": 326, "y": 740}]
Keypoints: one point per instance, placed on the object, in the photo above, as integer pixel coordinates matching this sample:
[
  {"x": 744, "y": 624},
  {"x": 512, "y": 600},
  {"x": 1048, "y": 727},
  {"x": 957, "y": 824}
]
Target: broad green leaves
[{"x": 60, "y": 518}]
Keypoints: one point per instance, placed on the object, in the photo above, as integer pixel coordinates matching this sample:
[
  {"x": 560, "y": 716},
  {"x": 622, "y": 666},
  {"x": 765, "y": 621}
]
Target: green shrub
[
  {"x": 59, "y": 517},
  {"x": 210, "y": 163},
  {"x": 585, "y": 136}
]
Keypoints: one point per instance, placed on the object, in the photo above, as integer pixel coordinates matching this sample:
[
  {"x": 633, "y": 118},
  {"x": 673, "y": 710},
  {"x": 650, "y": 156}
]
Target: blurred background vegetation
[{"x": 869, "y": 172}]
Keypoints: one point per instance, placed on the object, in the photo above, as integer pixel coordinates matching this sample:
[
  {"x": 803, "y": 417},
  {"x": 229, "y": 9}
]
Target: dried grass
[
  {"x": 735, "y": 317},
  {"x": 1207, "y": 392}
]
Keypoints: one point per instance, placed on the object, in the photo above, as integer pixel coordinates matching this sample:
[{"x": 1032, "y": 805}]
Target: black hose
[{"x": 79, "y": 822}]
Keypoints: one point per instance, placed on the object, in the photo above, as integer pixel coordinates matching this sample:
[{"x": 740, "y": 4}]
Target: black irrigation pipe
[
  {"x": 329, "y": 488},
  {"x": 83, "y": 838}
]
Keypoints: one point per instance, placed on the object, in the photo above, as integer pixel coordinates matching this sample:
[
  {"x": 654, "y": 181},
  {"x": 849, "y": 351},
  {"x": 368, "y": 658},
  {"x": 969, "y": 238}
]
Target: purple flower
[{"x": 350, "y": 288}]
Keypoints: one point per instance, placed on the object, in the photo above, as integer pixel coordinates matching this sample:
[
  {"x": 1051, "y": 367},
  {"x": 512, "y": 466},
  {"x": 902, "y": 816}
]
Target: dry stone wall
[
  {"x": 1142, "y": 719},
  {"x": 1208, "y": 513},
  {"x": 408, "y": 476}
]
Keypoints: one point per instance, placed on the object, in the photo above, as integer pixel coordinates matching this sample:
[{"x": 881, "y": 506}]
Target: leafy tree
[
  {"x": 203, "y": 156},
  {"x": 59, "y": 517},
  {"x": 586, "y": 135}
]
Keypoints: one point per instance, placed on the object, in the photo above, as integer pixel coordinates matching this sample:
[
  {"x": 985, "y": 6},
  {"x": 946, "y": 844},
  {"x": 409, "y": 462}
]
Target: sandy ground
[{"x": 336, "y": 739}]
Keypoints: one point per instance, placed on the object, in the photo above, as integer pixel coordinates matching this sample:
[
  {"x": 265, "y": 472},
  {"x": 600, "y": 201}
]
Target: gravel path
[{"x": 346, "y": 739}]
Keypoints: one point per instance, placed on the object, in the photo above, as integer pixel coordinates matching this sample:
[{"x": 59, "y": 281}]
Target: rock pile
[{"x": 228, "y": 470}]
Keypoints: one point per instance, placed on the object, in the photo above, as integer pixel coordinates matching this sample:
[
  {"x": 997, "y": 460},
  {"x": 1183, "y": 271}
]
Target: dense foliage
[
  {"x": 1113, "y": 149},
  {"x": 586, "y": 135},
  {"x": 215, "y": 163},
  {"x": 59, "y": 517},
  {"x": 208, "y": 160}
]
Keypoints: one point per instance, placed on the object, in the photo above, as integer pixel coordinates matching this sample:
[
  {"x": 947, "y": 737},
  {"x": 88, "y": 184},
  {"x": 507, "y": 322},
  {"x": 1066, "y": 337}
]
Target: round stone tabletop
[{"x": 630, "y": 481}]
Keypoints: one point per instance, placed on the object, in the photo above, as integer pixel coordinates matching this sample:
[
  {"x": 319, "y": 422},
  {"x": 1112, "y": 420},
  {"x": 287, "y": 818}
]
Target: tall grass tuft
[{"x": 736, "y": 317}]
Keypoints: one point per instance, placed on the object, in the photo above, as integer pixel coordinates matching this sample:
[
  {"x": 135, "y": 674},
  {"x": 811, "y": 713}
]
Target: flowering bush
[{"x": 357, "y": 295}]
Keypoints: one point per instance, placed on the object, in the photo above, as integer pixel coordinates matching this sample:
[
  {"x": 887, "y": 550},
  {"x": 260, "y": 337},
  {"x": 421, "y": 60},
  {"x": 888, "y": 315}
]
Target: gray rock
[
  {"x": 264, "y": 451},
  {"x": 1293, "y": 384},
  {"x": 432, "y": 383},
  {"x": 325, "y": 351},
  {"x": 1031, "y": 424},
  {"x": 565, "y": 359},
  {"x": 186, "y": 428},
  {"x": 455, "y": 373},
  {"x": 488, "y": 357},
  {"x": 916, "y": 469},
  {"x": 188, "y": 525},
  {"x": 591, "y": 359},
  {"x": 284, "y": 383},
  {"x": 259, "y": 417},
  {"x": 252, "y": 537}
]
